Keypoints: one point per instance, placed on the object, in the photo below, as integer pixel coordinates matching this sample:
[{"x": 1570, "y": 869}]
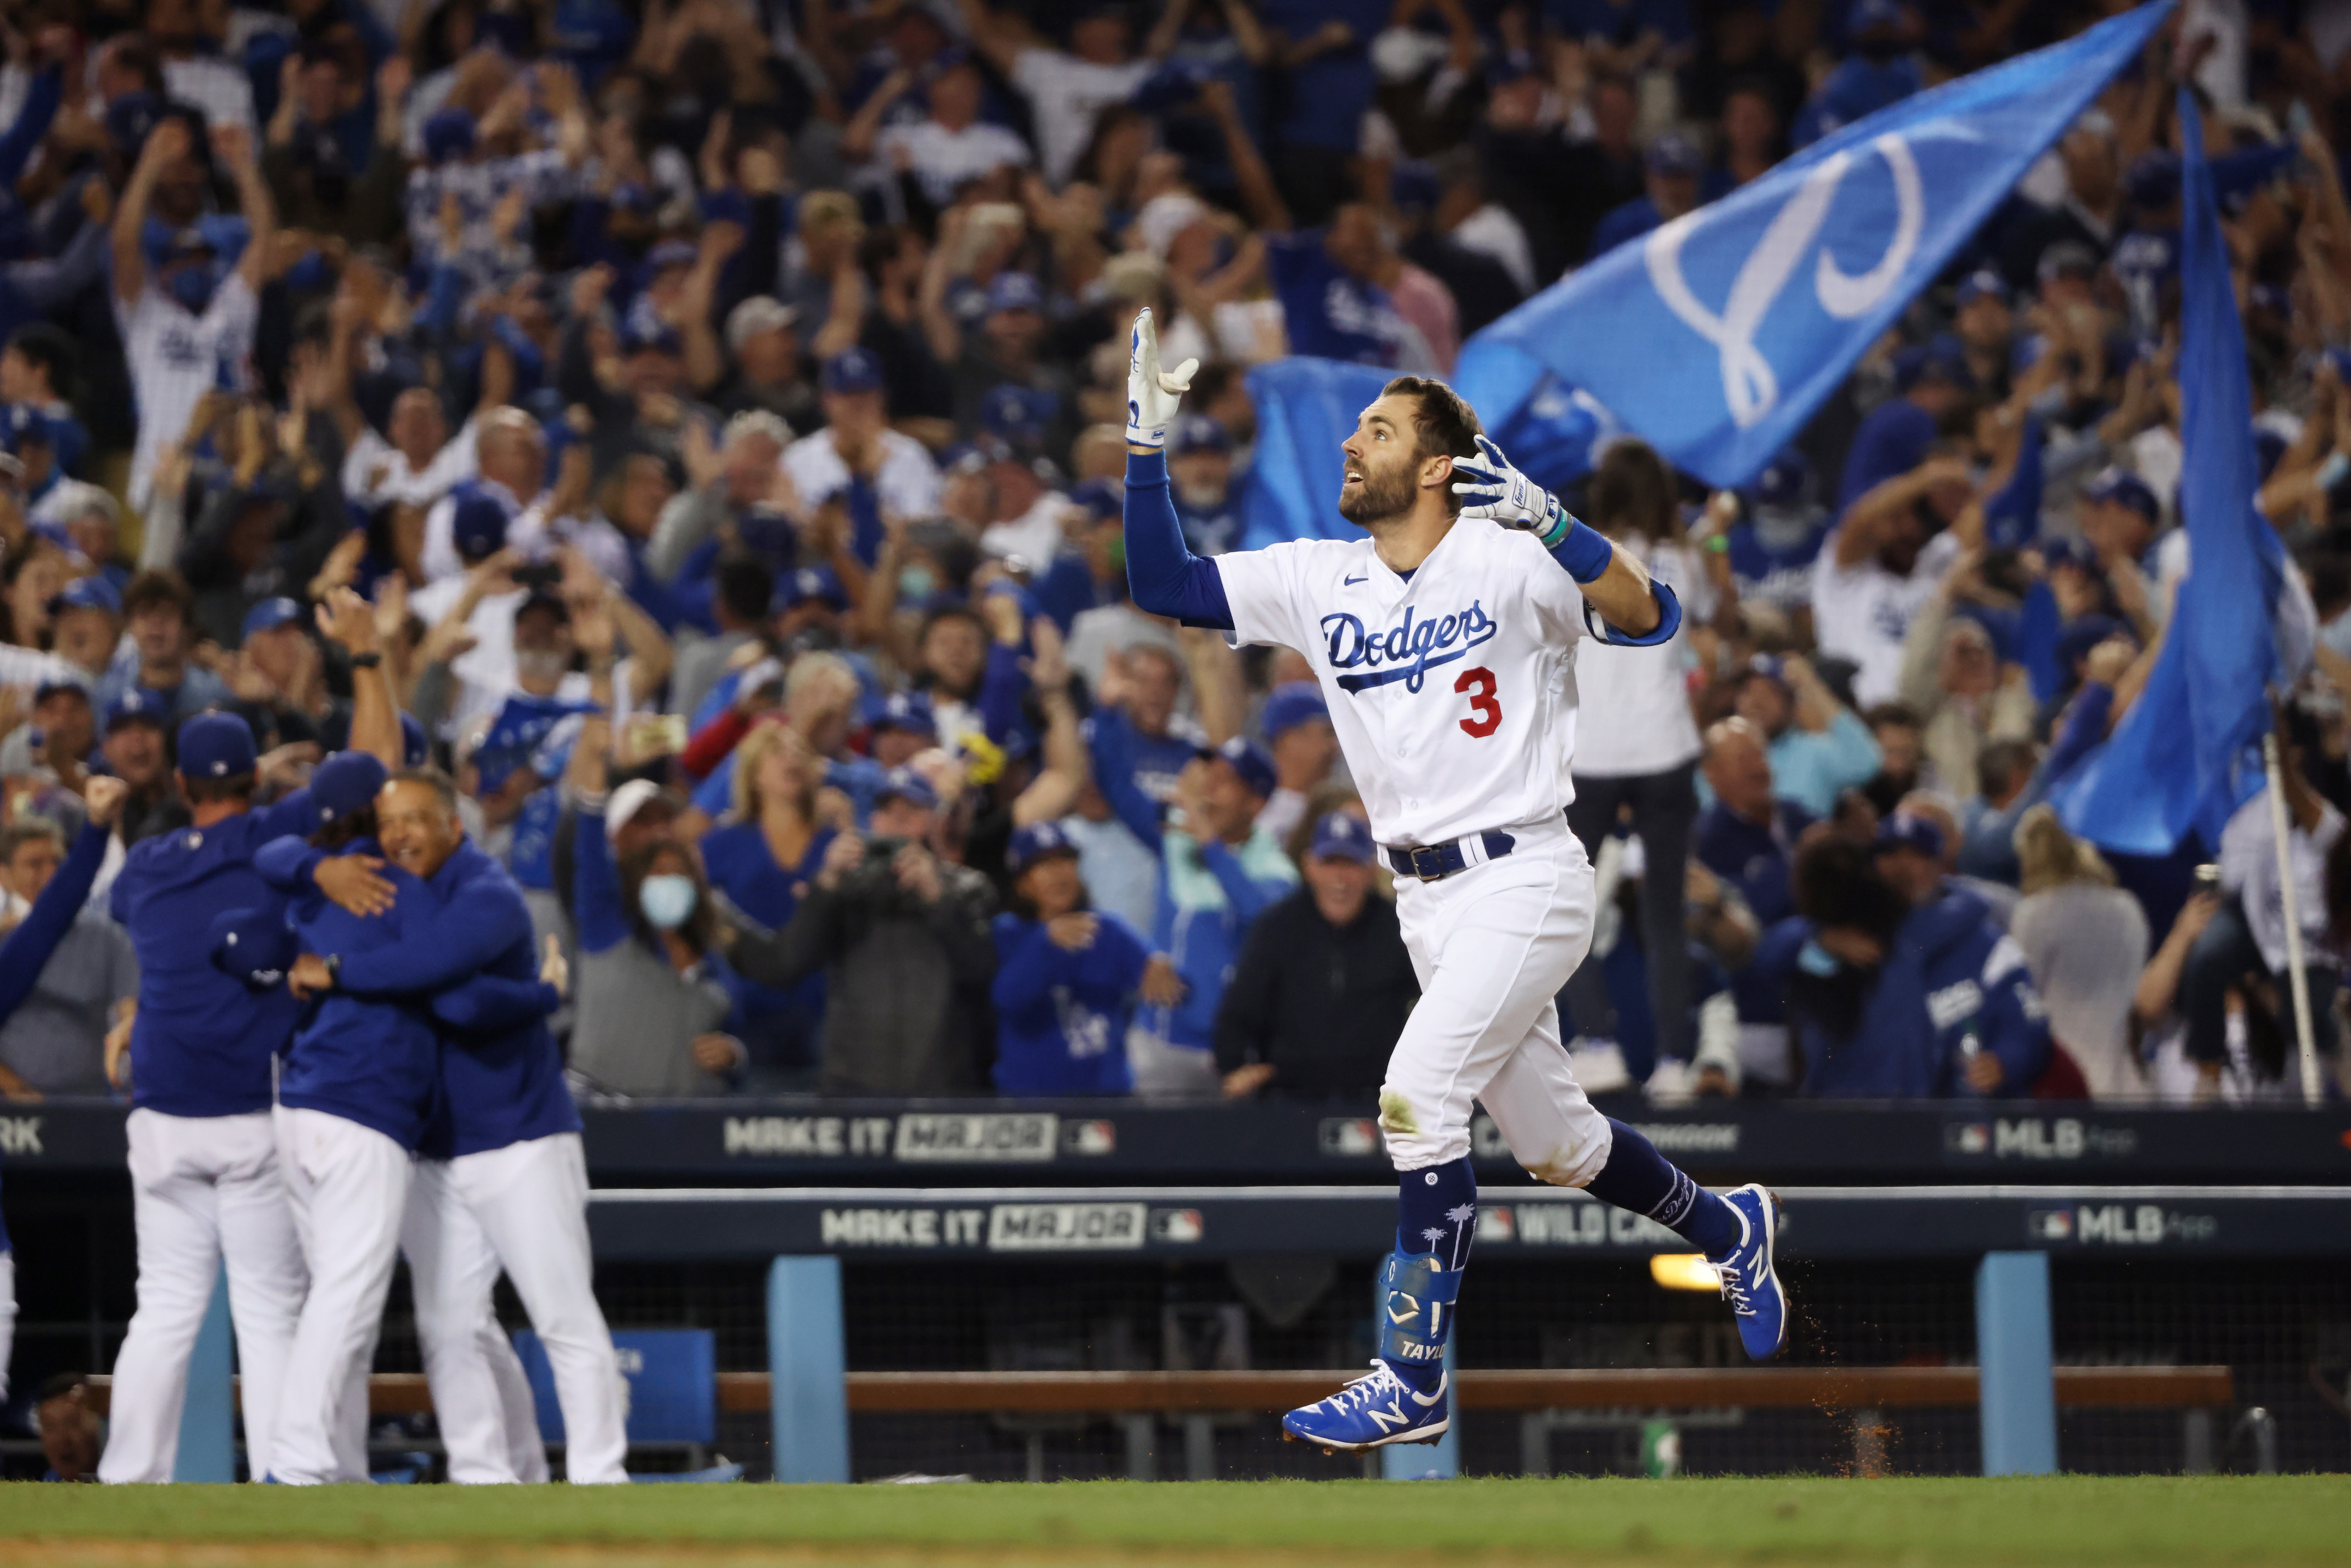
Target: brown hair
[
  {"x": 1634, "y": 489},
  {"x": 1446, "y": 424},
  {"x": 2052, "y": 857}
]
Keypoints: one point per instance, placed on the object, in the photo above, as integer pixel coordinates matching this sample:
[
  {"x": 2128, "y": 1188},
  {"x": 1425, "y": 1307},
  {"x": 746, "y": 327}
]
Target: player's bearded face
[{"x": 1377, "y": 488}]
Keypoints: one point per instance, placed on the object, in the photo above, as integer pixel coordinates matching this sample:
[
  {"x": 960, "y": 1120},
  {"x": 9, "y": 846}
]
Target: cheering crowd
[{"x": 718, "y": 404}]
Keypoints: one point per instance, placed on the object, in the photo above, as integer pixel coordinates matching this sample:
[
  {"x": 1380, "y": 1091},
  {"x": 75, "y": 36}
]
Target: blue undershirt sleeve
[
  {"x": 1669, "y": 621},
  {"x": 1161, "y": 574}
]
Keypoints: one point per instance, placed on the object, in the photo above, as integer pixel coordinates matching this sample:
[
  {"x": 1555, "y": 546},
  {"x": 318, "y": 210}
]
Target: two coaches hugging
[{"x": 340, "y": 1054}]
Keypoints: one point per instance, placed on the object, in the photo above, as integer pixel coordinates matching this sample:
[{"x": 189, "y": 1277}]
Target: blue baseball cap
[
  {"x": 671, "y": 253},
  {"x": 1103, "y": 500},
  {"x": 852, "y": 371},
  {"x": 652, "y": 337},
  {"x": 130, "y": 118},
  {"x": 135, "y": 705},
  {"x": 1907, "y": 831},
  {"x": 1507, "y": 66},
  {"x": 1035, "y": 842},
  {"x": 346, "y": 782},
  {"x": 2124, "y": 488},
  {"x": 1014, "y": 291},
  {"x": 1342, "y": 835},
  {"x": 92, "y": 592},
  {"x": 57, "y": 684},
  {"x": 909, "y": 711},
  {"x": 1871, "y": 16},
  {"x": 254, "y": 945},
  {"x": 414, "y": 749},
  {"x": 1671, "y": 153},
  {"x": 2154, "y": 178},
  {"x": 1291, "y": 704},
  {"x": 809, "y": 583},
  {"x": 478, "y": 527},
  {"x": 448, "y": 133},
  {"x": 1979, "y": 284},
  {"x": 216, "y": 746},
  {"x": 906, "y": 784},
  {"x": 1786, "y": 481},
  {"x": 22, "y": 424},
  {"x": 1013, "y": 412},
  {"x": 1941, "y": 357},
  {"x": 270, "y": 614},
  {"x": 1247, "y": 758},
  {"x": 1198, "y": 433}
]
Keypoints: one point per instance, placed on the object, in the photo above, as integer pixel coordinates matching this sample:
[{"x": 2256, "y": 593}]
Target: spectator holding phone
[
  {"x": 901, "y": 940},
  {"x": 1066, "y": 976}
]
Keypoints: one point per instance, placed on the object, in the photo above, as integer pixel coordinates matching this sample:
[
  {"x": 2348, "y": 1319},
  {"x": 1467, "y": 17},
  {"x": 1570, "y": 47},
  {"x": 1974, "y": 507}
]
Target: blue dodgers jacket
[
  {"x": 1060, "y": 1017},
  {"x": 1954, "y": 984},
  {"x": 501, "y": 1079},
  {"x": 1209, "y": 892},
  {"x": 204, "y": 1041},
  {"x": 376, "y": 1060}
]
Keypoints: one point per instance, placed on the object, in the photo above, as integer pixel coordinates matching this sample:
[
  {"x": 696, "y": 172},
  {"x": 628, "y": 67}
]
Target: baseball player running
[{"x": 1446, "y": 648}]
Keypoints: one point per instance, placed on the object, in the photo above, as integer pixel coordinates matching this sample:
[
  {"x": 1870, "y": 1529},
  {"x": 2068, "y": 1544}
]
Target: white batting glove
[
  {"x": 1500, "y": 494},
  {"x": 1152, "y": 393}
]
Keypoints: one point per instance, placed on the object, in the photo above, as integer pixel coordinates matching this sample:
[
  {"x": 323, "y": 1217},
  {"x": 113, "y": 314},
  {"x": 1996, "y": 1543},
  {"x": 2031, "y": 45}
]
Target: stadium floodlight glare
[{"x": 1684, "y": 1271}]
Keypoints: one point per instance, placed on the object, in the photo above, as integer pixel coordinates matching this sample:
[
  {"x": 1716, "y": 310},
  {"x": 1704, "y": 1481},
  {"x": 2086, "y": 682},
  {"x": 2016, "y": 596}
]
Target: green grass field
[{"x": 1964, "y": 1523}]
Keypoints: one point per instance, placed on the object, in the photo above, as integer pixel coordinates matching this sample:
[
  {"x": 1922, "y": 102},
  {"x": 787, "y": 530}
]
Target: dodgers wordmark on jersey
[{"x": 1453, "y": 690}]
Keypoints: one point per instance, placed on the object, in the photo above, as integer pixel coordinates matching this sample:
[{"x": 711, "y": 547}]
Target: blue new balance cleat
[
  {"x": 1371, "y": 1412},
  {"x": 1749, "y": 1281}
]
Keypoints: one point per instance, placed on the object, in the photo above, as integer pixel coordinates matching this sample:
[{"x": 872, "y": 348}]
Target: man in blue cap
[
  {"x": 1005, "y": 349},
  {"x": 206, "y": 1180},
  {"x": 86, "y": 625},
  {"x": 1323, "y": 982},
  {"x": 2122, "y": 521},
  {"x": 277, "y": 678},
  {"x": 1304, "y": 748},
  {"x": 1675, "y": 166},
  {"x": 857, "y": 443},
  {"x": 55, "y": 749},
  {"x": 131, "y": 746},
  {"x": 1200, "y": 478},
  {"x": 1880, "y": 70},
  {"x": 1220, "y": 868}
]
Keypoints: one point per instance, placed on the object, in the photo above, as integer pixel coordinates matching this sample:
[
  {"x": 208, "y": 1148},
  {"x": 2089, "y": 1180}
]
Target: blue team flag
[
  {"x": 1305, "y": 407},
  {"x": 1717, "y": 336},
  {"x": 2179, "y": 760}
]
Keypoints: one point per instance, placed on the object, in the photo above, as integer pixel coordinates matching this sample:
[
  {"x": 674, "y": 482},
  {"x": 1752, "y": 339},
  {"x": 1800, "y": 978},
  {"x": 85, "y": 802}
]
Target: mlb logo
[
  {"x": 1350, "y": 1137},
  {"x": 1177, "y": 1226},
  {"x": 1968, "y": 1137},
  {"x": 1090, "y": 1138},
  {"x": 2050, "y": 1224},
  {"x": 1496, "y": 1224}
]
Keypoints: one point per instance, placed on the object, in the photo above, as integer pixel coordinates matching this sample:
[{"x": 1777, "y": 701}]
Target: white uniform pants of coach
[
  {"x": 204, "y": 1190},
  {"x": 481, "y": 1400},
  {"x": 530, "y": 1200},
  {"x": 349, "y": 1184},
  {"x": 1493, "y": 946}
]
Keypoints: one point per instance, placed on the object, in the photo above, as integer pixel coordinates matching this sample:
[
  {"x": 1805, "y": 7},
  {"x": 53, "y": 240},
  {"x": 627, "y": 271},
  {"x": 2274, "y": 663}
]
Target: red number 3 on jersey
[{"x": 1480, "y": 684}]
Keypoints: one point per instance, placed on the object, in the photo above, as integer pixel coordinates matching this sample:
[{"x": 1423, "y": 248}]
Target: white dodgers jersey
[{"x": 1453, "y": 692}]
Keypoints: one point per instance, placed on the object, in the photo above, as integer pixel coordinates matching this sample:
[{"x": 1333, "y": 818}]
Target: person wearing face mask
[{"x": 657, "y": 1001}]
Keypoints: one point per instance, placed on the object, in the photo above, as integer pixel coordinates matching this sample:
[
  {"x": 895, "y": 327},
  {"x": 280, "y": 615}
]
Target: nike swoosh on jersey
[{"x": 1351, "y": 582}]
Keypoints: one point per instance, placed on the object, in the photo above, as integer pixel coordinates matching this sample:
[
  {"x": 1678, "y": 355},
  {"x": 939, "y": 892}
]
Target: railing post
[
  {"x": 2016, "y": 1365},
  {"x": 208, "y": 1418},
  {"x": 808, "y": 1365}
]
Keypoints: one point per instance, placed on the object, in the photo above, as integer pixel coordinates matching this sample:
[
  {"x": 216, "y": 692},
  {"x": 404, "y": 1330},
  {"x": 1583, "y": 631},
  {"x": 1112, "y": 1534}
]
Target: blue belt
[{"x": 1430, "y": 862}]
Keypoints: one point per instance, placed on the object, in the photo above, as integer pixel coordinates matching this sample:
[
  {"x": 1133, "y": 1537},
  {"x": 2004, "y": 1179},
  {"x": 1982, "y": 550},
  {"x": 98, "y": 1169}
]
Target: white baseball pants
[
  {"x": 349, "y": 1185},
  {"x": 1493, "y": 946},
  {"x": 204, "y": 1190},
  {"x": 8, "y": 1316},
  {"x": 489, "y": 1424},
  {"x": 530, "y": 1199}
]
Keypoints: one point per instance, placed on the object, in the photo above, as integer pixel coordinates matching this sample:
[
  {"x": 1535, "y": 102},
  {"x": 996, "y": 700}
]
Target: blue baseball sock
[
  {"x": 1639, "y": 1178},
  {"x": 1436, "y": 1211},
  {"x": 1436, "y": 1219}
]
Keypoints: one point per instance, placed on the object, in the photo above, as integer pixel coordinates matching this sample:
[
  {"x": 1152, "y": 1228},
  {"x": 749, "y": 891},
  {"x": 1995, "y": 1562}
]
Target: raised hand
[
  {"x": 1497, "y": 493},
  {"x": 1152, "y": 393}
]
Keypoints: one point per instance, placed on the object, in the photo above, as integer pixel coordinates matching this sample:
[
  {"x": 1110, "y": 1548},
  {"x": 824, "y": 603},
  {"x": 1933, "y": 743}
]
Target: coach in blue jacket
[{"x": 511, "y": 1140}]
